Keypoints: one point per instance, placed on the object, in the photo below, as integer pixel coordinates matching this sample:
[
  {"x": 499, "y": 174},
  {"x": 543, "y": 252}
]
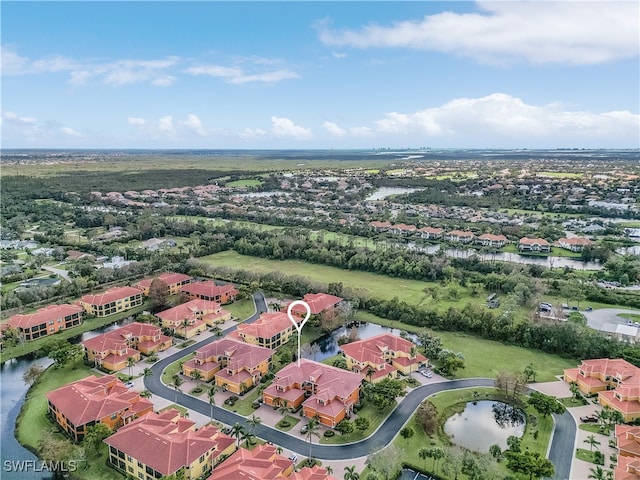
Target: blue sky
[{"x": 497, "y": 74}]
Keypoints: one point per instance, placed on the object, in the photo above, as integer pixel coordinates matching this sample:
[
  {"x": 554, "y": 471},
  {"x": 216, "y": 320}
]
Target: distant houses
[
  {"x": 81, "y": 404},
  {"x": 174, "y": 282},
  {"x": 533, "y": 245},
  {"x": 575, "y": 244},
  {"x": 190, "y": 318},
  {"x": 319, "y": 303}
]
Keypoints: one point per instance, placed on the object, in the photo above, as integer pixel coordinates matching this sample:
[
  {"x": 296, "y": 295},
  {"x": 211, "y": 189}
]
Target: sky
[{"x": 320, "y": 75}]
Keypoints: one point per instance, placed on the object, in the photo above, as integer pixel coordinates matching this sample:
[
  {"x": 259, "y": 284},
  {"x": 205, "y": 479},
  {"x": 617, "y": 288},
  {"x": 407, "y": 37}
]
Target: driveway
[{"x": 597, "y": 318}]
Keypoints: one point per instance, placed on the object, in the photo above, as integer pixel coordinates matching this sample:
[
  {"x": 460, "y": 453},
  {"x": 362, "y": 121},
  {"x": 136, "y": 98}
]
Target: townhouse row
[{"x": 525, "y": 244}]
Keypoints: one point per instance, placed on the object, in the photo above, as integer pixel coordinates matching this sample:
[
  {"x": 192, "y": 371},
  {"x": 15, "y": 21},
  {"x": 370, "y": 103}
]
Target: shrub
[{"x": 329, "y": 433}]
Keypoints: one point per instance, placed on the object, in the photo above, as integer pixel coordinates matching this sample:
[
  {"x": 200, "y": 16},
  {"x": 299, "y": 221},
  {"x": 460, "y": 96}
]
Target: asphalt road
[{"x": 560, "y": 454}]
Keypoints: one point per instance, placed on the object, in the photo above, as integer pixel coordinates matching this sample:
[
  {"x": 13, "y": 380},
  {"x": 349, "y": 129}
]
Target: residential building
[
  {"x": 113, "y": 349},
  {"x": 271, "y": 330},
  {"x": 114, "y": 300},
  {"x": 490, "y": 240},
  {"x": 533, "y": 245},
  {"x": 262, "y": 463},
  {"x": 226, "y": 293},
  {"x": 382, "y": 356},
  {"x": 575, "y": 244},
  {"x": 322, "y": 390},
  {"x": 314, "y": 473},
  {"x": 628, "y": 459},
  {"x": 162, "y": 444},
  {"x": 193, "y": 317},
  {"x": 430, "y": 233},
  {"x": 459, "y": 236},
  {"x": 616, "y": 381},
  {"x": 318, "y": 303},
  {"x": 46, "y": 321},
  {"x": 174, "y": 282},
  {"x": 91, "y": 400},
  {"x": 402, "y": 229},
  {"x": 235, "y": 365}
]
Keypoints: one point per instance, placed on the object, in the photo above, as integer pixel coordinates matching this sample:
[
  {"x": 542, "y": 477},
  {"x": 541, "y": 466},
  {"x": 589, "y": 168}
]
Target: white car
[
  {"x": 128, "y": 384},
  {"x": 293, "y": 458}
]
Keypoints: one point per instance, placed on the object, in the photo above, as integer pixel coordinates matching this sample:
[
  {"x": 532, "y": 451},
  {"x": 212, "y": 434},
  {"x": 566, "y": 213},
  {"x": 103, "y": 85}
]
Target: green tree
[
  {"x": 427, "y": 417},
  {"x": 177, "y": 381},
  {"x": 592, "y": 441},
  {"x": 130, "y": 363},
  {"x": 158, "y": 294},
  {"x": 529, "y": 373},
  {"x": 362, "y": 423},
  {"x": 425, "y": 453},
  {"x": 196, "y": 375},
  {"x": 253, "y": 422},
  {"x": 350, "y": 473},
  {"x": 313, "y": 425},
  {"x": 94, "y": 437},
  {"x": 597, "y": 473},
  {"x": 545, "y": 404},
  {"x": 211, "y": 392},
  {"x": 237, "y": 431},
  {"x": 32, "y": 374}
]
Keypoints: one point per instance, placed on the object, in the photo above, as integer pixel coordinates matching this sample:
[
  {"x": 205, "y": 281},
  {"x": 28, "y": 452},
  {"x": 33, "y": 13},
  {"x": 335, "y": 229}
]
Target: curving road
[{"x": 561, "y": 451}]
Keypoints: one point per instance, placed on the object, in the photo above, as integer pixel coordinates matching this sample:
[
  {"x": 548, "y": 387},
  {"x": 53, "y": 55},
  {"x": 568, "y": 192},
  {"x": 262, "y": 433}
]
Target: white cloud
[
  {"x": 237, "y": 75},
  {"x": 581, "y": 33},
  {"x": 136, "y": 121},
  {"x": 284, "y": 127},
  {"x": 334, "y": 129},
  {"x": 71, "y": 132},
  {"x": 502, "y": 117},
  {"x": 27, "y": 130},
  {"x": 166, "y": 127},
  {"x": 193, "y": 123},
  {"x": 252, "y": 133},
  {"x": 14, "y": 64}
]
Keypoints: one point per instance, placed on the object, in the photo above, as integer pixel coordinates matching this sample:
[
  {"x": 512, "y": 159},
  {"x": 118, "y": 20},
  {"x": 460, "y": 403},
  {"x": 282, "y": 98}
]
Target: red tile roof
[
  {"x": 240, "y": 355},
  {"x": 267, "y": 326},
  {"x": 534, "y": 241},
  {"x": 318, "y": 303},
  {"x": 372, "y": 349},
  {"x": 117, "y": 339},
  {"x": 494, "y": 238},
  {"x": 261, "y": 463},
  {"x": 614, "y": 367},
  {"x": 460, "y": 233},
  {"x": 627, "y": 468},
  {"x": 209, "y": 289},
  {"x": 168, "y": 278},
  {"x": 315, "y": 473},
  {"x": 191, "y": 310},
  {"x": 575, "y": 241},
  {"x": 50, "y": 312},
  {"x": 167, "y": 442},
  {"x": 111, "y": 295},
  {"x": 93, "y": 398}
]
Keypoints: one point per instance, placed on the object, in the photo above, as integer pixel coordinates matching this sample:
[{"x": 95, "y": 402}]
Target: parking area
[{"x": 425, "y": 379}]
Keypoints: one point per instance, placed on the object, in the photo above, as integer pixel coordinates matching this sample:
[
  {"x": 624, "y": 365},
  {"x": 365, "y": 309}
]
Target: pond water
[
  {"x": 384, "y": 192},
  {"x": 12, "y": 393},
  {"x": 485, "y": 423},
  {"x": 328, "y": 344}
]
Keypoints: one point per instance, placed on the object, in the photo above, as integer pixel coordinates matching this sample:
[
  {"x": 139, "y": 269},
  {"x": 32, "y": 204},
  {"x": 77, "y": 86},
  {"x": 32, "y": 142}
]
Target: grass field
[
  {"x": 365, "y": 283},
  {"x": 559, "y": 174},
  {"x": 242, "y": 309},
  {"x": 245, "y": 183},
  {"x": 486, "y": 358},
  {"x": 33, "y": 419}
]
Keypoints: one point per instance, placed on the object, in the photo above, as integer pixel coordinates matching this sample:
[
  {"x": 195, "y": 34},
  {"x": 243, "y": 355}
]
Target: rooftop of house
[
  {"x": 267, "y": 326},
  {"x": 238, "y": 353},
  {"x": 318, "y": 303},
  {"x": 209, "y": 288},
  {"x": 117, "y": 339},
  {"x": 189, "y": 310},
  {"x": 261, "y": 463},
  {"x": 372, "y": 349},
  {"x": 167, "y": 442},
  {"x": 50, "y": 312},
  {"x": 168, "y": 278},
  {"x": 111, "y": 295},
  {"x": 94, "y": 398}
]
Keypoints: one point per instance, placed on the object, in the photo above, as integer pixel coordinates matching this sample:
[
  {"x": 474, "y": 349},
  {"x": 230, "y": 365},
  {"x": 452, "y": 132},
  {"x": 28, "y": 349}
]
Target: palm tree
[
  {"x": 197, "y": 376},
  {"x": 597, "y": 473},
  {"x": 312, "y": 430},
  {"x": 253, "y": 422},
  {"x": 177, "y": 381},
  {"x": 437, "y": 454},
  {"x": 211, "y": 394},
  {"x": 237, "y": 431},
  {"x": 329, "y": 469},
  {"x": 184, "y": 324},
  {"x": 130, "y": 363},
  {"x": 530, "y": 373},
  {"x": 146, "y": 394},
  {"x": 147, "y": 372},
  {"x": 283, "y": 408},
  {"x": 592, "y": 441},
  {"x": 425, "y": 453},
  {"x": 351, "y": 474}
]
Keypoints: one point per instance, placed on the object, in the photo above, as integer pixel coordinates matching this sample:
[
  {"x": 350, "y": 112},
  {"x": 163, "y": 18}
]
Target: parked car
[
  {"x": 589, "y": 309},
  {"x": 128, "y": 384},
  {"x": 304, "y": 429},
  {"x": 293, "y": 458},
  {"x": 589, "y": 419}
]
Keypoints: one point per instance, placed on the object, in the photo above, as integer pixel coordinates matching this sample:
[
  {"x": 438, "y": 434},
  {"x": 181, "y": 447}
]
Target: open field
[
  {"x": 486, "y": 358},
  {"x": 365, "y": 283},
  {"x": 244, "y": 183},
  {"x": 242, "y": 309},
  {"x": 559, "y": 174},
  {"x": 33, "y": 418}
]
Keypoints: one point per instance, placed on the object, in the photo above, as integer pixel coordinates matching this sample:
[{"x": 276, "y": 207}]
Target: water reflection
[{"x": 485, "y": 423}]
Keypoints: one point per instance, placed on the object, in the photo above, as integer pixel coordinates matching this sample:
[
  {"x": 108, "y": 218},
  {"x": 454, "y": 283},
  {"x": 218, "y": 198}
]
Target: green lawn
[
  {"x": 88, "y": 324},
  {"x": 293, "y": 421},
  {"x": 375, "y": 416},
  {"x": 243, "y": 405},
  {"x": 486, "y": 358},
  {"x": 585, "y": 455},
  {"x": 242, "y": 309},
  {"x": 364, "y": 283},
  {"x": 173, "y": 368},
  {"x": 33, "y": 419},
  {"x": 245, "y": 183},
  {"x": 559, "y": 174}
]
